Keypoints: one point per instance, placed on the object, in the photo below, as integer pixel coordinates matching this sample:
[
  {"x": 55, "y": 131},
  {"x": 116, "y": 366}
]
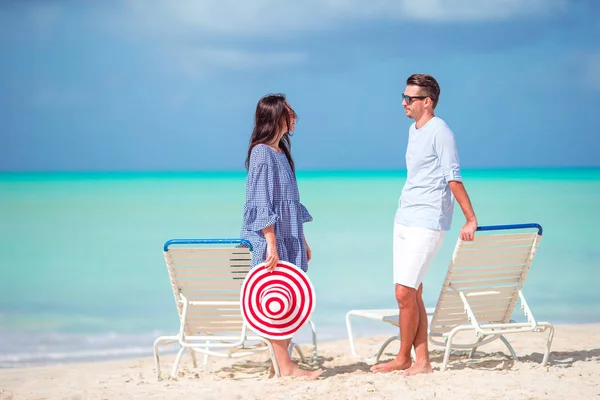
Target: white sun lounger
[
  {"x": 206, "y": 276},
  {"x": 482, "y": 287}
]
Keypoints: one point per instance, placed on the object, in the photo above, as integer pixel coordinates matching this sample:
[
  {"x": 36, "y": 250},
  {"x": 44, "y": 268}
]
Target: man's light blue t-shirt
[{"x": 431, "y": 162}]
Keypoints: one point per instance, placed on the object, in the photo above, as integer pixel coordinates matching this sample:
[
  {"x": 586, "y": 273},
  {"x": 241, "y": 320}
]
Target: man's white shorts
[{"x": 414, "y": 248}]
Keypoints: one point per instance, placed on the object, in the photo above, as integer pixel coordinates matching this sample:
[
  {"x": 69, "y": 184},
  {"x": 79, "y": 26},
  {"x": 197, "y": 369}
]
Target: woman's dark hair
[{"x": 271, "y": 111}]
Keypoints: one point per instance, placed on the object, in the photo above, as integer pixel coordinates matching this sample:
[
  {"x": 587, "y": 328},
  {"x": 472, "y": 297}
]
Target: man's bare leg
[
  {"x": 422, "y": 365},
  {"x": 286, "y": 366},
  {"x": 409, "y": 324}
]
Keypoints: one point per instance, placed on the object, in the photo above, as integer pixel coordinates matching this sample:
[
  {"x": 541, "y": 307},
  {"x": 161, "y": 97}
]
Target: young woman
[{"x": 273, "y": 214}]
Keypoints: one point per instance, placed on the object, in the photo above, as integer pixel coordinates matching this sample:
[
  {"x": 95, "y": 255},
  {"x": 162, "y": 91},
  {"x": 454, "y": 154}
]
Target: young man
[{"x": 424, "y": 214}]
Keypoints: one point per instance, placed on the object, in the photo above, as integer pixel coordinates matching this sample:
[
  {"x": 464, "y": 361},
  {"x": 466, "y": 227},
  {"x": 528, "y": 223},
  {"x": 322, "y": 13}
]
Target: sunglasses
[{"x": 409, "y": 99}]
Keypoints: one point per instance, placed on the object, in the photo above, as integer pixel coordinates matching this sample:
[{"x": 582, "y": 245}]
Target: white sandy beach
[{"x": 574, "y": 373}]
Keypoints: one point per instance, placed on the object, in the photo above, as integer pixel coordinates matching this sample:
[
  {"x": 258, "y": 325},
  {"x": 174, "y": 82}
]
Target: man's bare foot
[
  {"x": 394, "y": 365},
  {"x": 302, "y": 373},
  {"x": 418, "y": 368}
]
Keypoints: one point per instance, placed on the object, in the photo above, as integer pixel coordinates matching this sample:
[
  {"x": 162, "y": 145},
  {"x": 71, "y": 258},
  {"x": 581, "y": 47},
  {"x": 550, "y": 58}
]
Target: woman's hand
[
  {"x": 272, "y": 256},
  {"x": 308, "y": 250}
]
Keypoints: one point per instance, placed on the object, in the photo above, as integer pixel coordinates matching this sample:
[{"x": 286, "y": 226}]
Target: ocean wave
[{"x": 34, "y": 349}]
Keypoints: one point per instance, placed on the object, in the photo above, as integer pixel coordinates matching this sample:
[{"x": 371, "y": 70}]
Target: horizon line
[{"x": 300, "y": 172}]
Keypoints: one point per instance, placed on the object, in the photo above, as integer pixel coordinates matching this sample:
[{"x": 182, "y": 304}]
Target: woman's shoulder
[{"x": 261, "y": 153}]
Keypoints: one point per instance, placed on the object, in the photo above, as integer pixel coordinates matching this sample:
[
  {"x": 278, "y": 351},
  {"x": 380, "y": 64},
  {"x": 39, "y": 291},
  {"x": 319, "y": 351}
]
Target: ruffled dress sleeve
[
  {"x": 259, "y": 211},
  {"x": 306, "y": 217}
]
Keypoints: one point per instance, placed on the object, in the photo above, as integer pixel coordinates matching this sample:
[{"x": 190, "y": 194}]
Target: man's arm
[{"x": 460, "y": 193}]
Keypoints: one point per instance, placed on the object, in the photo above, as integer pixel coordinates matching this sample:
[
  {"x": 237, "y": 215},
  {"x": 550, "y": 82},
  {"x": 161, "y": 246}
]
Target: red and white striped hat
[{"x": 276, "y": 304}]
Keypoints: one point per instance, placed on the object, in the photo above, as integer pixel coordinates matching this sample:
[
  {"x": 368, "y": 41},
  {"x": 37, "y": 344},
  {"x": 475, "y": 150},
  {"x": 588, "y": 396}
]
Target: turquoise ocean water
[{"x": 82, "y": 273}]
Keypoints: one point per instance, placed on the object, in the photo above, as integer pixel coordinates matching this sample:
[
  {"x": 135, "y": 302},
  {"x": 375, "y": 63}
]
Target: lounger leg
[
  {"x": 177, "y": 360},
  {"x": 548, "y": 342},
  {"x": 193, "y": 354},
  {"x": 156, "y": 359},
  {"x": 474, "y": 349},
  {"x": 161, "y": 339},
  {"x": 291, "y": 350},
  {"x": 447, "y": 353},
  {"x": 314, "y": 340},
  {"x": 509, "y": 346},
  {"x": 274, "y": 360},
  {"x": 351, "y": 335},
  {"x": 384, "y": 345},
  {"x": 205, "y": 360}
]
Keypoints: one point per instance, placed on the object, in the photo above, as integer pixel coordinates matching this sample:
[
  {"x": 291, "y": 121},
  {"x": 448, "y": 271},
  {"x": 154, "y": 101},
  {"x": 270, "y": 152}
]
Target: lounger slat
[
  {"x": 485, "y": 270},
  {"x": 481, "y": 314},
  {"x": 449, "y": 304},
  {"x": 495, "y": 246},
  {"x": 496, "y": 237},
  {"x": 200, "y": 296},
  {"x": 212, "y": 320},
  {"x": 201, "y": 319},
  {"x": 480, "y": 277},
  {"x": 234, "y": 312},
  {"x": 507, "y": 260},
  {"x": 482, "y": 301},
  {"x": 208, "y": 271},
  {"x": 200, "y": 305},
  {"x": 452, "y": 298},
  {"x": 225, "y": 275},
  {"x": 235, "y": 280},
  {"x": 208, "y": 252},
  {"x": 204, "y": 336},
  {"x": 198, "y": 263},
  {"x": 448, "y": 323},
  {"x": 502, "y": 251},
  {"x": 208, "y": 261},
  {"x": 212, "y": 286},
  {"x": 208, "y": 325},
  {"x": 488, "y": 283},
  {"x": 231, "y": 329},
  {"x": 195, "y": 294},
  {"x": 507, "y": 291},
  {"x": 216, "y": 330},
  {"x": 486, "y": 280},
  {"x": 214, "y": 298},
  {"x": 190, "y": 264},
  {"x": 475, "y": 307}
]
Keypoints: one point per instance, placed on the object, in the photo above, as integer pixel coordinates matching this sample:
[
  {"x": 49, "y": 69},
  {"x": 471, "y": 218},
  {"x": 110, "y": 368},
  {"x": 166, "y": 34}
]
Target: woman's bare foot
[
  {"x": 272, "y": 369},
  {"x": 302, "y": 373},
  {"x": 419, "y": 368},
  {"x": 395, "y": 365}
]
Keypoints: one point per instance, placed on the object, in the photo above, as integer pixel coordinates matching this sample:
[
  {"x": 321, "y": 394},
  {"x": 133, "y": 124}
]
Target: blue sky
[{"x": 172, "y": 85}]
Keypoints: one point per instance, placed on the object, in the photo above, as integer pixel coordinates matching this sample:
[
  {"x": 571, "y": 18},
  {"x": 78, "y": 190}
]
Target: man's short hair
[{"x": 428, "y": 85}]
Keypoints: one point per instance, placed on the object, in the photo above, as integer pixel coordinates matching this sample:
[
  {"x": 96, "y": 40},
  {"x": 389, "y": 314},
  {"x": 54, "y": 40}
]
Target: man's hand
[
  {"x": 468, "y": 230},
  {"x": 460, "y": 193}
]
